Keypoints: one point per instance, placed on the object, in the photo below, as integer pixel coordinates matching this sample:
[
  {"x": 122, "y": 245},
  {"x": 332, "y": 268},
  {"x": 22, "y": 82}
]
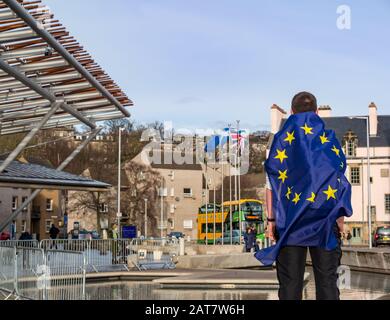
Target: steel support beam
[
  {"x": 61, "y": 167},
  {"x": 14, "y": 154},
  {"x": 14, "y": 72},
  {"x": 37, "y": 27}
]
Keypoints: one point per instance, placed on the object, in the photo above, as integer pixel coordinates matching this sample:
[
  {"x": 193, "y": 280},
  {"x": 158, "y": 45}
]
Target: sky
[{"x": 204, "y": 64}]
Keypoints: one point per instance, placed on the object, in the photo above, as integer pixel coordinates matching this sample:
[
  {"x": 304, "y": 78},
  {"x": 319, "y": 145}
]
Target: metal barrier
[
  {"x": 19, "y": 243},
  {"x": 67, "y": 272},
  {"x": 153, "y": 253},
  {"x": 33, "y": 273},
  {"x": 100, "y": 254},
  {"x": 103, "y": 255},
  {"x": 7, "y": 272}
]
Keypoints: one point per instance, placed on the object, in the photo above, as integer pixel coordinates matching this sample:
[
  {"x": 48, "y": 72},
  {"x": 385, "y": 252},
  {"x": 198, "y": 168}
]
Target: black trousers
[{"x": 290, "y": 267}]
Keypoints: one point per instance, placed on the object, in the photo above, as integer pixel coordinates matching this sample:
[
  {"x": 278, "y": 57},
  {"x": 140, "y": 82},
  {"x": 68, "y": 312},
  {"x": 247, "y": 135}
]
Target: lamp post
[
  {"x": 119, "y": 214},
  {"x": 146, "y": 218},
  {"x": 367, "y": 118}
]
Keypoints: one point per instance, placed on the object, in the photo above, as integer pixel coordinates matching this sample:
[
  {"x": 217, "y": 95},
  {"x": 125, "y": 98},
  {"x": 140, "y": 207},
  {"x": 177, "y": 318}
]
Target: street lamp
[
  {"x": 146, "y": 218},
  {"x": 367, "y": 118},
  {"x": 119, "y": 214}
]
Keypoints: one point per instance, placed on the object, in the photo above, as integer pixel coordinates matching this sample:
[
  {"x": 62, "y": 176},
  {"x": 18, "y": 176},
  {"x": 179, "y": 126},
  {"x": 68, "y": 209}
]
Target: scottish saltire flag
[{"x": 306, "y": 167}]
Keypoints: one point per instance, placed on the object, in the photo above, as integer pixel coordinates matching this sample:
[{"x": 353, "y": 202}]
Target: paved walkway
[{"x": 199, "y": 278}]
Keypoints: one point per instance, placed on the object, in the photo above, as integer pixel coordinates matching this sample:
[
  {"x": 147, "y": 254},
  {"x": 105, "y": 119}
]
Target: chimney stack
[
  {"x": 325, "y": 111},
  {"x": 373, "y": 115},
  {"x": 277, "y": 115}
]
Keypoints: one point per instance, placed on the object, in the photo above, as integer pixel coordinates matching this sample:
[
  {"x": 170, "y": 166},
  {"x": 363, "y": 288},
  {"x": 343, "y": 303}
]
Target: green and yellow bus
[{"x": 251, "y": 213}]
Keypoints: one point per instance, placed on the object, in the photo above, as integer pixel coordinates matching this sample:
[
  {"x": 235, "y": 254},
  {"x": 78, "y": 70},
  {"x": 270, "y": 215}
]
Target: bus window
[{"x": 218, "y": 227}]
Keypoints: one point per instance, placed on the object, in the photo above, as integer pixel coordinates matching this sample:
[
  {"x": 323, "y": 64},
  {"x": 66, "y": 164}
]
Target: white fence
[
  {"x": 33, "y": 273},
  {"x": 109, "y": 254}
]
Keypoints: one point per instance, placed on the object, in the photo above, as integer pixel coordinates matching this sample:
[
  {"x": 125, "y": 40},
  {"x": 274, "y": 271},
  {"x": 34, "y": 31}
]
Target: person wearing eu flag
[{"x": 308, "y": 197}]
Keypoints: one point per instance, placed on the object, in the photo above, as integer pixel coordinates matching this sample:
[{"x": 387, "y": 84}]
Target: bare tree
[{"x": 144, "y": 182}]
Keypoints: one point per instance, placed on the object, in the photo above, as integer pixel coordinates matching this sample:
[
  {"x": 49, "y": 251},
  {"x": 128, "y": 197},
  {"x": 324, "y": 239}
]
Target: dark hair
[{"x": 304, "y": 102}]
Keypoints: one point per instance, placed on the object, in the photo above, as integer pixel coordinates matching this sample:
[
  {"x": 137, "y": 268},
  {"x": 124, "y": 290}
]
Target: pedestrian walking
[
  {"x": 53, "y": 233},
  {"x": 249, "y": 239}
]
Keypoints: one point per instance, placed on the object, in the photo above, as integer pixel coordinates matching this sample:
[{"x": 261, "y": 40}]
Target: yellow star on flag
[
  {"x": 281, "y": 155},
  {"x": 289, "y": 191},
  {"x": 330, "y": 193},
  {"x": 336, "y": 151},
  {"x": 283, "y": 175},
  {"x": 297, "y": 198},
  {"x": 312, "y": 198},
  {"x": 324, "y": 139},
  {"x": 290, "y": 137},
  {"x": 308, "y": 130}
]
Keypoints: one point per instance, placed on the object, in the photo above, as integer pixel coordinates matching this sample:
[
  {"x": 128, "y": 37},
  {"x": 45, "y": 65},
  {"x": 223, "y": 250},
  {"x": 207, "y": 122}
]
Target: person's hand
[{"x": 271, "y": 230}]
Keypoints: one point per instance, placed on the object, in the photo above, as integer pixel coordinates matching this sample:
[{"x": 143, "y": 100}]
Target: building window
[
  {"x": 387, "y": 203},
  {"x": 23, "y": 226},
  {"x": 49, "y": 204},
  {"x": 350, "y": 144},
  {"x": 355, "y": 175},
  {"x": 163, "y": 192},
  {"x": 103, "y": 207},
  {"x": 172, "y": 208},
  {"x": 47, "y": 225},
  {"x": 384, "y": 173},
  {"x": 14, "y": 203},
  {"x": 187, "y": 192},
  {"x": 187, "y": 224},
  {"x": 356, "y": 232},
  {"x": 23, "y": 200},
  {"x": 172, "y": 192}
]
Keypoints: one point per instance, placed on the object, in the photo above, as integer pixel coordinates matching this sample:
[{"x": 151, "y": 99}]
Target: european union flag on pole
[{"x": 306, "y": 167}]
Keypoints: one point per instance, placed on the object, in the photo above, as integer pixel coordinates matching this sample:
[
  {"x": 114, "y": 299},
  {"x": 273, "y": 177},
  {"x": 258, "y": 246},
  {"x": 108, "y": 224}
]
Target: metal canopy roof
[
  {"x": 27, "y": 175},
  {"x": 40, "y": 64}
]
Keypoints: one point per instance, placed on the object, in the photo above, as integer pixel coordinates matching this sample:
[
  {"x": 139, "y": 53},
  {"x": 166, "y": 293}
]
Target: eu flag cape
[{"x": 306, "y": 167}]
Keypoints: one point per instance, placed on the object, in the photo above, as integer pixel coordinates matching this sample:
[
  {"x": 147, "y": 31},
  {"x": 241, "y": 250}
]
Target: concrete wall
[{"x": 219, "y": 261}]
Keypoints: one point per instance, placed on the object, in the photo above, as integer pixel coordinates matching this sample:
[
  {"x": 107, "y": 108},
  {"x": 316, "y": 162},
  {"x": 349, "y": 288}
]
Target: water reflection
[{"x": 364, "y": 286}]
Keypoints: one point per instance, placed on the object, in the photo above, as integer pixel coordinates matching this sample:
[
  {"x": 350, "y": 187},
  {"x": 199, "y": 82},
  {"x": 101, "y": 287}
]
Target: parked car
[
  {"x": 381, "y": 236},
  {"x": 226, "y": 238},
  {"x": 176, "y": 234},
  {"x": 5, "y": 235}
]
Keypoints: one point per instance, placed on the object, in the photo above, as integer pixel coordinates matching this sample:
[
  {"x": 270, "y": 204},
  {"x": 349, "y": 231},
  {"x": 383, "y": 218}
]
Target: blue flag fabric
[
  {"x": 306, "y": 168},
  {"x": 212, "y": 144},
  {"x": 217, "y": 140}
]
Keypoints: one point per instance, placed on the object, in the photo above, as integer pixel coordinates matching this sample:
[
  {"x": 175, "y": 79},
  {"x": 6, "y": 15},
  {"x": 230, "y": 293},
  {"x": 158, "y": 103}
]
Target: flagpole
[
  {"x": 238, "y": 175},
  {"x": 230, "y": 188},
  {"x": 222, "y": 208},
  {"x": 214, "y": 197},
  {"x": 207, "y": 203}
]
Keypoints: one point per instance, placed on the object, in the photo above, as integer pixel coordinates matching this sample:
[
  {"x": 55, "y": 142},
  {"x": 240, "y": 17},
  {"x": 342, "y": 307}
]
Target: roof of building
[
  {"x": 28, "y": 175},
  {"x": 341, "y": 125},
  {"x": 42, "y": 63}
]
